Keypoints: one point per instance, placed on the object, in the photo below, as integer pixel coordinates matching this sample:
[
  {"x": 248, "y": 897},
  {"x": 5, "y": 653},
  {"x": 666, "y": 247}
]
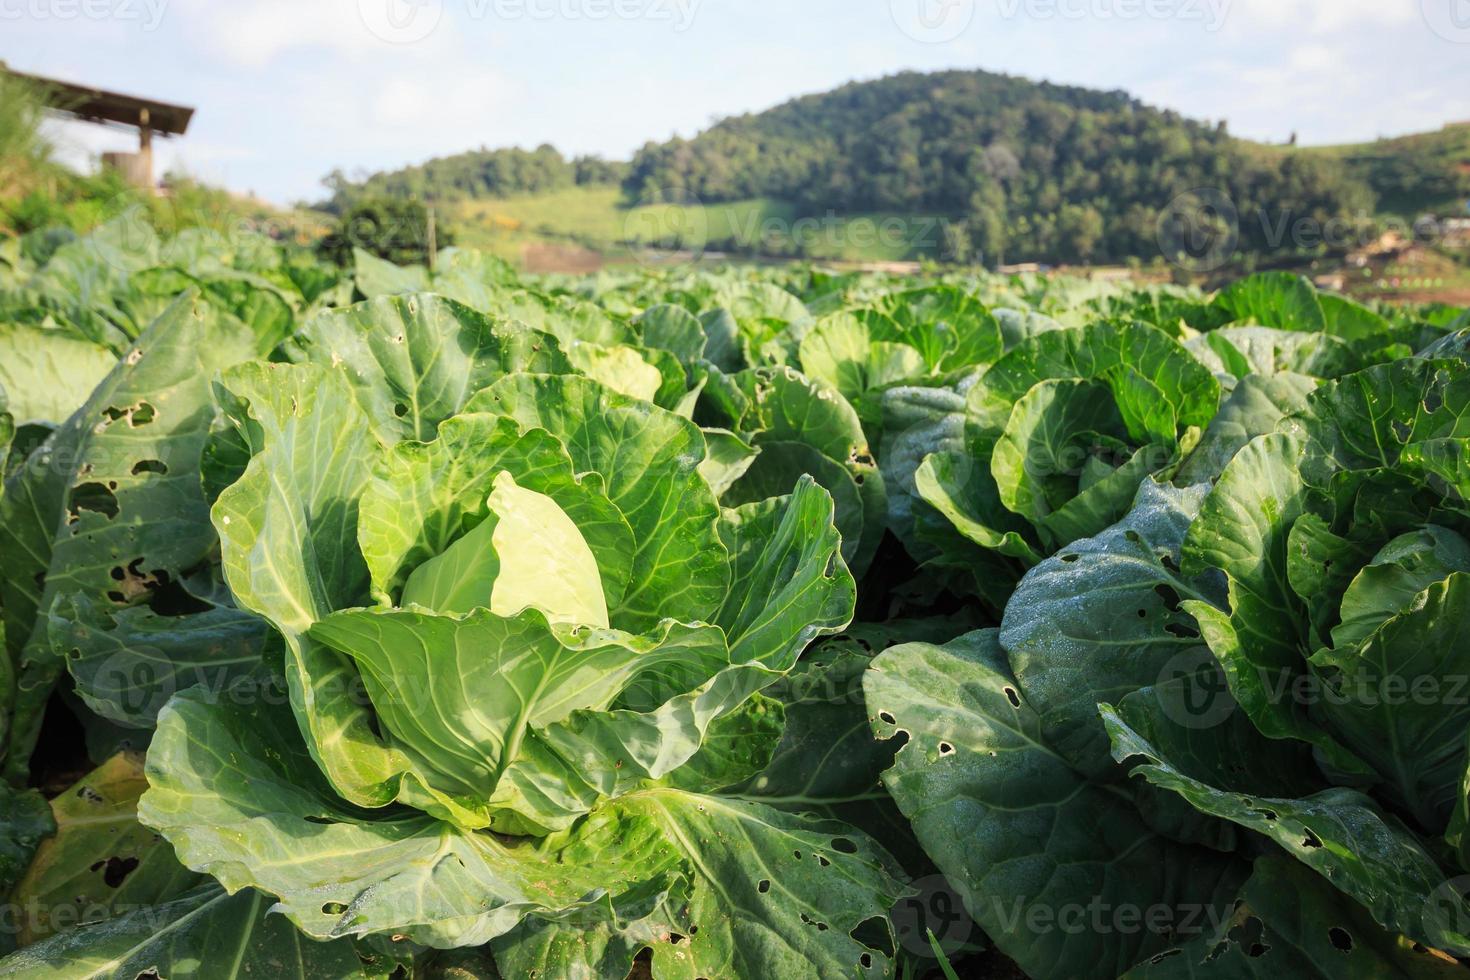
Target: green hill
[
  {"x": 1412, "y": 175},
  {"x": 1000, "y": 168}
]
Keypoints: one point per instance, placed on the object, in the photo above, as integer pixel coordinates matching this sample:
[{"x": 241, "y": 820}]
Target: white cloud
[
  {"x": 1313, "y": 59},
  {"x": 459, "y": 99},
  {"x": 254, "y": 33},
  {"x": 1262, "y": 17}
]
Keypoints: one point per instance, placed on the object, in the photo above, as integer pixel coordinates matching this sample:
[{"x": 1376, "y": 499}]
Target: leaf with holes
[
  {"x": 110, "y": 507},
  {"x": 101, "y": 863}
]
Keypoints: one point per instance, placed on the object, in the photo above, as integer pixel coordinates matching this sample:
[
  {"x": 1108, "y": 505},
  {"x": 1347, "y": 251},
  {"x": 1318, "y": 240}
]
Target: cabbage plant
[
  {"x": 524, "y": 651},
  {"x": 1242, "y": 687},
  {"x": 1047, "y": 445}
]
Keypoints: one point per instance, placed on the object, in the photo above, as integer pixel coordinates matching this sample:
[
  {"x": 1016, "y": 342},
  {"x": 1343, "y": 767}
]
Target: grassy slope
[
  {"x": 596, "y": 218},
  {"x": 1443, "y": 151}
]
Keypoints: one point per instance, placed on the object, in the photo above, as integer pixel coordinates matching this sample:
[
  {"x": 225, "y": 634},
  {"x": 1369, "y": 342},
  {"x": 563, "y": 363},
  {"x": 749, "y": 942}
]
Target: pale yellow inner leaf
[
  {"x": 622, "y": 369},
  {"x": 544, "y": 560}
]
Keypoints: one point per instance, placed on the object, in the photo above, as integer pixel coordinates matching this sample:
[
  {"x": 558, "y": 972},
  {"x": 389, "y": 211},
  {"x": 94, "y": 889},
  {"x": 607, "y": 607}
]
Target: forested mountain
[
  {"x": 1030, "y": 170},
  {"x": 1020, "y": 170}
]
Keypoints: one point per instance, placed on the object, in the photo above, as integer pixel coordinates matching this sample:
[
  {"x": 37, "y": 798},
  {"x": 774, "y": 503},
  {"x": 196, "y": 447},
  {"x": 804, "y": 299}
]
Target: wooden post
[
  {"x": 145, "y": 147},
  {"x": 433, "y": 236}
]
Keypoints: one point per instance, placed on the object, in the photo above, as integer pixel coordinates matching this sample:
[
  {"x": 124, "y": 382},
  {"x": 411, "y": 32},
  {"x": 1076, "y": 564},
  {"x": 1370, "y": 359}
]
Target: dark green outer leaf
[
  {"x": 111, "y": 505},
  {"x": 128, "y": 662},
  {"x": 1243, "y": 530},
  {"x": 1030, "y": 845},
  {"x": 25, "y": 820},
  {"x": 1340, "y": 833},
  {"x": 770, "y": 894},
  {"x": 7, "y": 435},
  {"x": 1292, "y": 923},
  {"x": 917, "y": 422},
  {"x": 1101, "y": 619},
  {"x": 1255, "y": 408},
  {"x": 1398, "y": 701},
  {"x": 1363, "y": 422},
  {"x": 827, "y": 761}
]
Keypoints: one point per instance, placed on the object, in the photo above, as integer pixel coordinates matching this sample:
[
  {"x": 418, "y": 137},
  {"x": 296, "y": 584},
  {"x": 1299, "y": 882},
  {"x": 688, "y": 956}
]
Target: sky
[{"x": 289, "y": 90}]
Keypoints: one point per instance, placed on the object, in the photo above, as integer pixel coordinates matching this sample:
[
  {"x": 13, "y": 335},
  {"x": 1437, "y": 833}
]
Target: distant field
[
  {"x": 595, "y": 219},
  {"x": 581, "y": 229}
]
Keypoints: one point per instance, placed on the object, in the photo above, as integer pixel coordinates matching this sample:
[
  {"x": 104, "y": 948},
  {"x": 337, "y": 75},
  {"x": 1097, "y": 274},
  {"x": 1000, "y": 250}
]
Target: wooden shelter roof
[{"x": 100, "y": 105}]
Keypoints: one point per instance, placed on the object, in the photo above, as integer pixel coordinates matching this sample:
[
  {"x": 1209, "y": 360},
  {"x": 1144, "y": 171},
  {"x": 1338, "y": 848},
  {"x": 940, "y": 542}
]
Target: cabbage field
[{"x": 736, "y": 624}]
